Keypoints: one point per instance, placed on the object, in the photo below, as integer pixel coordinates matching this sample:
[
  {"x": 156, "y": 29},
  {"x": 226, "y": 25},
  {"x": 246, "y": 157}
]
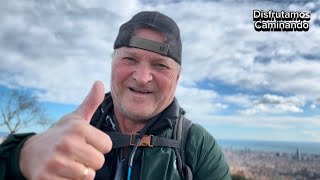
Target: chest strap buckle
[{"x": 146, "y": 140}]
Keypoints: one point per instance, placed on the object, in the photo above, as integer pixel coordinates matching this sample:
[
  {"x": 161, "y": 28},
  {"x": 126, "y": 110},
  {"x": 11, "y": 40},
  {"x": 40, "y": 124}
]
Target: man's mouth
[{"x": 140, "y": 91}]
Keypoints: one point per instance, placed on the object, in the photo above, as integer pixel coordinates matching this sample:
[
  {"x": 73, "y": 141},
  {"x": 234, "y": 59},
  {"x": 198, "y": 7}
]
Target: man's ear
[{"x": 178, "y": 76}]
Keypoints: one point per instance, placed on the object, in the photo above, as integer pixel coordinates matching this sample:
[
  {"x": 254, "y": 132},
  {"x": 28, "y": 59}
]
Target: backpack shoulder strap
[{"x": 184, "y": 125}]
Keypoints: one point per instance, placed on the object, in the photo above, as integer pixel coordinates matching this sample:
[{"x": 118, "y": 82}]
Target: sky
[{"x": 236, "y": 82}]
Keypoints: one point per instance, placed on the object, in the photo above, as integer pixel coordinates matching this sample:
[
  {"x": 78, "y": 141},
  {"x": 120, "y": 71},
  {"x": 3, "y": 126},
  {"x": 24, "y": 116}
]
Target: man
[{"x": 146, "y": 67}]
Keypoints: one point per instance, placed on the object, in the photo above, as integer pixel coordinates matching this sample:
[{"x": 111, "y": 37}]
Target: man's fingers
[
  {"x": 92, "y": 101},
  {"x": 86, "y": 154},
  {"x": 73, "y": 170},
  {"x": 98, "y": 139}
]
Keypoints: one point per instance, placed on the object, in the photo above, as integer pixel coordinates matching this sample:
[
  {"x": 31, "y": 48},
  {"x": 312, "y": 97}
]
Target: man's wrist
[{"x": 22, "y": 157}]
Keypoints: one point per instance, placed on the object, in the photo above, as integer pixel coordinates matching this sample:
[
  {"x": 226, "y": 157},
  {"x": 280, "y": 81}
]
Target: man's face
[{"x": 143, "y": 82}]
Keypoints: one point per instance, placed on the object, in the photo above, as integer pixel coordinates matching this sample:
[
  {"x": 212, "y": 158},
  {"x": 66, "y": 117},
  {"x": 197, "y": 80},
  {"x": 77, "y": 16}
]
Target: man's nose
[{"x": 143, "y": 74}]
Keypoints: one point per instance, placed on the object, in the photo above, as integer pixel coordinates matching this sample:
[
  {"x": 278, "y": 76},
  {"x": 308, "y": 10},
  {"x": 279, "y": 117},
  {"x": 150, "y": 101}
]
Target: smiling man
[
  {"x": 143, "y": 82},
  {"x": 137, "y": 131}
]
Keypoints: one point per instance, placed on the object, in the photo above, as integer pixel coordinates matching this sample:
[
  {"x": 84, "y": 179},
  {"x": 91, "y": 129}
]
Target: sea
[{"x": 272, "y": 146}]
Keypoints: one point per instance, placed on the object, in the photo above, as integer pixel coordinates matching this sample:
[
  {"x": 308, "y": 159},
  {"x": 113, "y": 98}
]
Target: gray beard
[{"x": 139, "y": 118}]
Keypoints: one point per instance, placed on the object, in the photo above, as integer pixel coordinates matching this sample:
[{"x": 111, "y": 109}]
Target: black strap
[
  {"x": 187, "y": 173},
  {"x": 184, "y": 126},
  {"x": 122, "y": 140},
  {"x": 185, "y": 129}
]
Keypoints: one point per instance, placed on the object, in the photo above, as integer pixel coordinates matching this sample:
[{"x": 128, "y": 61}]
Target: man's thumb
[{"x": 92, "y": 101}]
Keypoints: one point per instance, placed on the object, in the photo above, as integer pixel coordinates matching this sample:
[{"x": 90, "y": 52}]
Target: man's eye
[
  {"x": 129, "y": 59},
  {"x": 162, "y": 66}
]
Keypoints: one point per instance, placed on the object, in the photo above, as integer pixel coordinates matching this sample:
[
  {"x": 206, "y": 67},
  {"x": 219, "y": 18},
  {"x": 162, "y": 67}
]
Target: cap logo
[{"x": 162, "y": 48}]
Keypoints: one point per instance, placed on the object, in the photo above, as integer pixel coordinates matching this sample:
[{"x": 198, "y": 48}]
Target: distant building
[{"x": 297, "y": 155}]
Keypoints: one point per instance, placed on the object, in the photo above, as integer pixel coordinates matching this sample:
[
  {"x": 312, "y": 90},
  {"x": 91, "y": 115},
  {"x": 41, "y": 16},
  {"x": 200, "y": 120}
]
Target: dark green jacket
[
  {"x": 9, "y": 156},
  {"x": 204, "y": 157},
  {"x": 203, "y": 154}
]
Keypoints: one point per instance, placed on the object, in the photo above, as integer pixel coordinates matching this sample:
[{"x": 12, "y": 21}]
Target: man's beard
[{"x": 139, "y": 118}]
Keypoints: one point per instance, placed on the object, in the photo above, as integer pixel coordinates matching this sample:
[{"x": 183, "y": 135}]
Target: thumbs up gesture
[{"x": 72, "y": 148}]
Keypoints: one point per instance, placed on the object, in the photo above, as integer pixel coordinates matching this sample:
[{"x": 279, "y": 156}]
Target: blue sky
[{"x": 238, "y": 83}]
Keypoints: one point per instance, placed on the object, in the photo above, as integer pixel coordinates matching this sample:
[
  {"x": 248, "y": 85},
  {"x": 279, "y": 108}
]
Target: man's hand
[{"x": 65, "y": 150}]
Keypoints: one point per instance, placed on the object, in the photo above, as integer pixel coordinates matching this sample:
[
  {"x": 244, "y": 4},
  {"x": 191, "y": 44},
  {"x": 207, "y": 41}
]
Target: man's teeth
[{"x": 141, "y": 91}]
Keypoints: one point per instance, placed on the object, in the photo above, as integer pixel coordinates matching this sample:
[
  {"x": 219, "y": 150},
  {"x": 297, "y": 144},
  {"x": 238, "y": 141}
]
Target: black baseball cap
[{"x": 171, "y": 48}]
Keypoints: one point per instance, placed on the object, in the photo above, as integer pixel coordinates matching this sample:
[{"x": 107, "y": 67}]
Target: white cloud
[
  {"x": 297, "y": 77},
  {"x": 226, "y": 48},
  {"x": 57, "y": 48},
  {"x": 313, "y": 106},
  {"x": 198, "y": 102},
  {"x": 242, "y": 100},
  {"x": 312, "y": 134},
  {"x": 217, "y": 45},
  {"x": 274, "y": 104}
]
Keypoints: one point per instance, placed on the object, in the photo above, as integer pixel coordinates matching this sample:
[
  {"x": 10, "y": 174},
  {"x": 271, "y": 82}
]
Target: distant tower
[{"x": 298, "y": 156}]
